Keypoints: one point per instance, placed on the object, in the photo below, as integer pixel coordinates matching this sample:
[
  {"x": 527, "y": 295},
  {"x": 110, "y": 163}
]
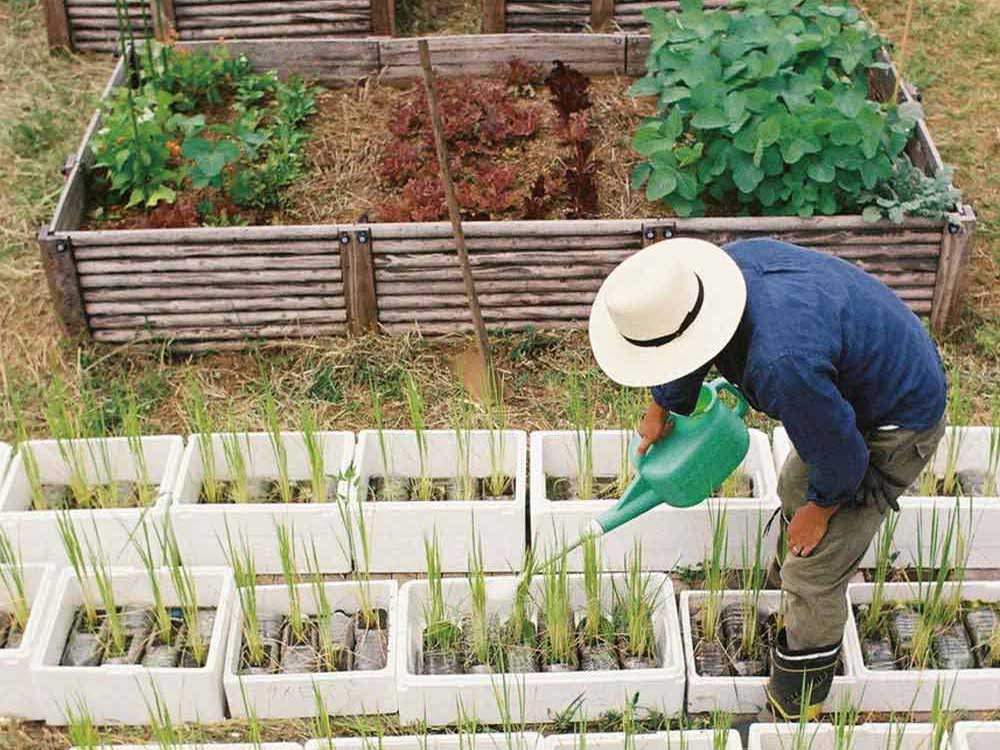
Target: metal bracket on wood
[
  {"x": 358, "y": 271},
  {"x": 64, "y": 283},
  {"x": 654, "y": 232}
]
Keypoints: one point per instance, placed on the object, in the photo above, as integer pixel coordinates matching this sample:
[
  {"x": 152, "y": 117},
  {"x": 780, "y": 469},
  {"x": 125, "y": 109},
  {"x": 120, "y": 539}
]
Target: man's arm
[{"x": 822, "y": 426}]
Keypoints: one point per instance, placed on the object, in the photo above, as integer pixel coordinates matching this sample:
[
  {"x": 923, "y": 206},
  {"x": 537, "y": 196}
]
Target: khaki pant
[{"x": 815, "y": 586}]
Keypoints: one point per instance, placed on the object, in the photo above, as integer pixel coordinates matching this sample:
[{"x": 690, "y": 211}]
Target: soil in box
[
  {"x": 920, "y": 635},
  {"x": 340, "y": 642},
  {"x": 150, "y": 637}
]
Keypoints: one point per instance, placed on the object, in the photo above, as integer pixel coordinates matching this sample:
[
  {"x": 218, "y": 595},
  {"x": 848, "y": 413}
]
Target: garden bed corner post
[
  {"x": 358, "y": 271},
  {"x": 953, "y": 266},
  {"x": 64, "y": 284},
  {"x": 57, "y": 24}
]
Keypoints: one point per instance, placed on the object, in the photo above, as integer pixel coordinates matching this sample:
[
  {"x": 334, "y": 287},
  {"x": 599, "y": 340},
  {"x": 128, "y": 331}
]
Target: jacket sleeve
[
  {"x": 680, "y": 396},
  {"x": 821, "y": 425}
]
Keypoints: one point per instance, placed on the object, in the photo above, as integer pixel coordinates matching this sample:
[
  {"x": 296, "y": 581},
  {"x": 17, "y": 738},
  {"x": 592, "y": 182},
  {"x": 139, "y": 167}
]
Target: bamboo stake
[{"x": 453, "y": 209}]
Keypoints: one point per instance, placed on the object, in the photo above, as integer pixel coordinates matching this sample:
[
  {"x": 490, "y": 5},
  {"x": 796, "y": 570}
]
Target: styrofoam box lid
[
  {"x": 822, "y": 736},
  {"x": 691, "y": 739},
  {"x": 484, "y": 741}
]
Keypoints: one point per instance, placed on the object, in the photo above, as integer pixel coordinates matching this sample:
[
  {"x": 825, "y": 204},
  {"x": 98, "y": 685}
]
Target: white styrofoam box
[
  {"x": 875, "y": 736},
  {"x": 535, "y": 697},
  {"x": 17, "y": 700},
  {"x": 689, "y": 739},
  {"x": 670, "y": 537},
  {"x": 975, "y": 735},
  {"x": 5, "y": 452},
  {"x": 118, "y": 694},
  {"x": 742, "y": 695},
  {"x": 289, "y": 696},
  {"x": 912, "y": 689},
  {"x": 36, "y": 532},
  {"x": 482, "y": 741},
  {"x": 979, "y": 517},
  {"x": 398, "y": 529},
  {"x": 201, "y": 528}
]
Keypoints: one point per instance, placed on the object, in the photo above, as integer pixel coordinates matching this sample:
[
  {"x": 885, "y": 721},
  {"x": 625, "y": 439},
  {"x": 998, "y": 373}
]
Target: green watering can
[{"x": 686, "y": 465}]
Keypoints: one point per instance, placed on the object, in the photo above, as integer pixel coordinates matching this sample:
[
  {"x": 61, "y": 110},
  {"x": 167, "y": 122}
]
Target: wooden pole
[{"x": 453, "y": 209}]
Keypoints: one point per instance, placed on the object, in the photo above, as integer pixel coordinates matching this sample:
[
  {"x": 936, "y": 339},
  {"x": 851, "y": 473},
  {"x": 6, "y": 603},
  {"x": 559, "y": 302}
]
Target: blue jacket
[{"x": 831, "y": 352}]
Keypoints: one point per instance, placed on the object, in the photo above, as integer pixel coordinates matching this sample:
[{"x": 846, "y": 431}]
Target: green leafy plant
[{"x": 766, "y": 108}]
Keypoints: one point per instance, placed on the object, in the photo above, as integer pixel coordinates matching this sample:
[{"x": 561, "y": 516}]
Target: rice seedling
[
  {"x": 580, "y": 412},
  {"x": 328, "y": 650},
  {"x": 186, "y": 592},
  {"x": 715, "y": 570},
  {"x": 873, "y": 618},
  {"x": 77, "y": 557},
  {"x": 938, "y": 607},
  {"x": 636, "y": 605},
  {"x": 200, "y": 423},
  {"x": 162, "y": 625},
  {"x": 285, "y": 535},
  {"x": 132, "y": 428},
  {"x": 558, "y": 643},
  {"x": 423, "y": 486},
  {"x": 844, "y": 720},
  {"x": 322, "y": 726},
  {"x": 241, "y": 559},
  {"x": 461, "y": 419},
  {"x": 497, "y": 482},
  {"x": 596, "y": 627},
  {"x": 722, "y": 722},
  {"x": 480, "y": 643},
  {"x": 101, "y": 573},
  {"x": 441, "y": 635},
  {"x": 959, "y": 411},
  {"x": 81, "y": 731},
  {"x": 12, "y": 579},
  {"x": 278, "y": 447},
  {"x": 235, "y": 448},
  {"x": 315, "y": 451},
  {"x": 627, "y": 404}
]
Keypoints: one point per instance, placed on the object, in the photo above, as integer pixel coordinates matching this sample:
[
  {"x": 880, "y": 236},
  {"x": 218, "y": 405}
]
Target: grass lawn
[{"x": 45, "y": 101}]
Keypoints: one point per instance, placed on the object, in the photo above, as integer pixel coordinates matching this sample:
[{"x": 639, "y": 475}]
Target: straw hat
[{"x": 666, "y": 311}]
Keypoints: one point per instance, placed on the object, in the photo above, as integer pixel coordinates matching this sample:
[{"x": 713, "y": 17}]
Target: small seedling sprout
[
  {"x": 235, "y": 447},
  {"x": 12, "y": 579},
  {"x": 496, "y": 420},
  {"x": 278, "y": 447},
  {"x": 285, "y": 535},
  {"x": 479, "y": 635},
  {"x": 415, "y": 405},
  {"x": 874, "y": 617},
  {"x": 715, "y": 574},
  {"x": 77, "y": 557},
  {"x": 201, "y": 425},
  {"x": 315, "y": 451},
  {"x": 558, "y": 643},
  {"x": 241, "y": 559},
  {"x": 580, "y": 412}
]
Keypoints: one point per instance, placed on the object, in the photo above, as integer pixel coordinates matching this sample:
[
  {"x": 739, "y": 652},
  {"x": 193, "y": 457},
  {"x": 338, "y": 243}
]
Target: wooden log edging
[{"x": 222, "y": 288}]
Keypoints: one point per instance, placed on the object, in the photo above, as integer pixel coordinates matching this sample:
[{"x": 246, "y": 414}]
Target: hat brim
[{"x": 725, "y": 299}]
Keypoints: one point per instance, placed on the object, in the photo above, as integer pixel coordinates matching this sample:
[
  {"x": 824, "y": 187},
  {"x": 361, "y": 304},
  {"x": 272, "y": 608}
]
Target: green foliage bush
[
  {"x": 766, "y": 110},
  {"x": 156, "y": 139}
]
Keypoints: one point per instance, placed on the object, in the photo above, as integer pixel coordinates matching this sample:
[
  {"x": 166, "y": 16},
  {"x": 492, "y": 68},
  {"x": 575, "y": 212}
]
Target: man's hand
[
  {"x": 653, "y": 427},
  {"x": 808, "y": 527}
]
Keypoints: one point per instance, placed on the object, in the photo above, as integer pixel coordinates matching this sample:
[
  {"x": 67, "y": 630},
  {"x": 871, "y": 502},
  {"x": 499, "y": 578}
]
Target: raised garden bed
[
  {"x": 461, "y": 741},
  {"x": 958, "y": 657},
  {"x": 217, "y": 287},
  {"x": 975, "y": 735},
  {"x": 474, "y": 487},
  {"x": 692, "y": 739},
  {"x": 241, "y": 498},
  {"x": 719, "y": 676},
  {"x": 114, "y": 663},
  {"x": 964, "y": 455},
  {"x": 350, "y": 661},
  {"x": 92, "y": 25},
  {"x": 106, "y": 487},
  {"x": 670, "y": 537},
  {"x": 537, "y": 676},
  {"x": 874, "y": 736},
  {"x": 19, "y": 641}
]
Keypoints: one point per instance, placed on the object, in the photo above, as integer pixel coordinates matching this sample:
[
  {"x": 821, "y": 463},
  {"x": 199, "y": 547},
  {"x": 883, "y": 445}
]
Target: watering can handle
[{"x": 721, "y": 384}]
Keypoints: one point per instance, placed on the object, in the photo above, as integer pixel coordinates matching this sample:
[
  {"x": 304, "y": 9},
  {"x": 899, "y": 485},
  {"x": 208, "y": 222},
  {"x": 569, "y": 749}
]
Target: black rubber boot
[{"x": 800, "y": 680}]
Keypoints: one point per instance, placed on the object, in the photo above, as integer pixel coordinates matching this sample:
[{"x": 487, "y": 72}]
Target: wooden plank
[
  {"x": 243, "y": 264},
  {"x": 64, "y": 284},
  {"x": 57, "y": 24},
  {"x": 201, "y": 319},
  {"x": 202, "y": 278},
  {"x": 333, "y": 291},
  {"x": 383, "y": 17},
  {"x": 220, "y": 333},
  {"x": 248, "y": 304}
]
